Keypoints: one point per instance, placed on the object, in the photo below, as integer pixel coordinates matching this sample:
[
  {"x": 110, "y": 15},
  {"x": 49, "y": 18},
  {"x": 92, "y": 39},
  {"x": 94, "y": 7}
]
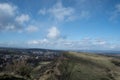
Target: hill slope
[{"x": 83, "y": 66}]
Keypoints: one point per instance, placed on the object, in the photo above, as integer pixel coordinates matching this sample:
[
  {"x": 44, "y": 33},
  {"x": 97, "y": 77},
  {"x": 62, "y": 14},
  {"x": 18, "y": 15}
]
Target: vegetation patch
[{"x": 10, "y": 77}]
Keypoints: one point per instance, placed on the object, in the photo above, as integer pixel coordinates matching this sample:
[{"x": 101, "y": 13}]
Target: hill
[
  {"x": 83, "y": 66},
  {"x": 68, "y": 66}
]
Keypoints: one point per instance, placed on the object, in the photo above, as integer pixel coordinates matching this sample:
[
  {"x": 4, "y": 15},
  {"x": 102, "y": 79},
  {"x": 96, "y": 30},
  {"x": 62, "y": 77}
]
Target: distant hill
[{"x": 100, "y": 51}]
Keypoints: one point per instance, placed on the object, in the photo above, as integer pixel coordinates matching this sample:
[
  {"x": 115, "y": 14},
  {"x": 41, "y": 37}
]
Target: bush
[{"x": 19, "y": 67}]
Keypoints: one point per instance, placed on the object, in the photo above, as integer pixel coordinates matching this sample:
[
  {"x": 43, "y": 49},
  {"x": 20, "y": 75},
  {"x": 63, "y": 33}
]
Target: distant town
[{"x": 32, "y": 56}]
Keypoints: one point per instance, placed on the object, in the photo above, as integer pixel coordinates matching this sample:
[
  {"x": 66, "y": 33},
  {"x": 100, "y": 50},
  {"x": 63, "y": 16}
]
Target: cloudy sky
[{"x": 60, "y": 24}]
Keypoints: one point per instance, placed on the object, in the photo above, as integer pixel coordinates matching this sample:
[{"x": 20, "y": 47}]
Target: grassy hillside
[{"x": 83, "y": 66}]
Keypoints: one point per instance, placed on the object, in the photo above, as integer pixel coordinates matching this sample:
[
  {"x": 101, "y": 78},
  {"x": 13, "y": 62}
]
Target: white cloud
[
  {"x": 11, "y": 19},
  {"x": 53, "y": 33},
  {"x": 44, "y": 43},
  {"x": 22, "y": 18},
  {"x": 99, "y": 42},
  {"x": 33, "y": 42},
  {"x": 52, "y": 39},
  {"x": 7, "y": 9},
  {"x": 59, "y": 12},
  {"x": 8, "y": 13},
  {"x": 83, "y": 44},
  {"x": 7, "y": 17},
  {"x": 32, "y": 28}
]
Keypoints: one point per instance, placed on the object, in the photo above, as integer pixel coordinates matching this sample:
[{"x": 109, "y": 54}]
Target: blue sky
[{"x": 60, "y": 24}]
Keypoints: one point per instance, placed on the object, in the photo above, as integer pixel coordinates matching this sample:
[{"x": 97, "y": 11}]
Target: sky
[{"x": 60, "y": 24}]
